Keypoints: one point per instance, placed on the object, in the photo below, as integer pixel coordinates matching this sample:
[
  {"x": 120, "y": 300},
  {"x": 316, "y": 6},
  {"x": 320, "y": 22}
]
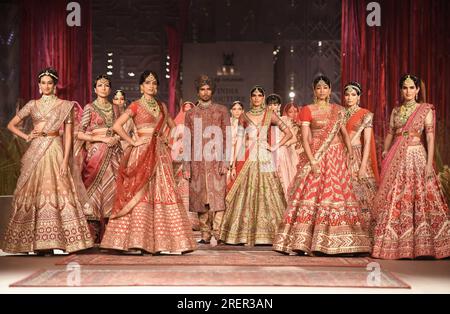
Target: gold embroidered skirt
[
  {"x": 255, "y": 206},
  {"x": 46, "y": 211}
]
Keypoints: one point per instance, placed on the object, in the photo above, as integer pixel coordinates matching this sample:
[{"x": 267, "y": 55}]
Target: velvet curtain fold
[
  {"x": 413, "y": 38},
  {"x": 175, "y": 45},
  {"x": 47, "y": 41}
]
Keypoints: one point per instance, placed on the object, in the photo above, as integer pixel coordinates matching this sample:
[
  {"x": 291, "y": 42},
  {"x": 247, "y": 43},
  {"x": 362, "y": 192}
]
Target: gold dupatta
[{"x": 39, "y": 145}]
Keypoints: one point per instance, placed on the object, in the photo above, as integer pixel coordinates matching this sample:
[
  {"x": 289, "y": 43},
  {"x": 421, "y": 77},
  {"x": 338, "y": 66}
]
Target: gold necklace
[
  {"x": 105, "y": 111},
  {"x": 45, "y": 103},
  {"x": 151, "y": 105},
  {"x": 351, "y": 111},
  {"x": 406, "y": 110},
  {"x": 257, "y": 111},
  {"x": 322, "y": 105}
]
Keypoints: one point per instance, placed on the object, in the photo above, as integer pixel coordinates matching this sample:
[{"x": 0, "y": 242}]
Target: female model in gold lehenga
[
  {"x": 412, "y": 218},
  {"x": 363, "y": 167},
  {"x": 102, "y": 156},
  {"x": 148, "y": 213},
  {"x": 47, "y": 212},
  {"x": 255, "y": 200}
]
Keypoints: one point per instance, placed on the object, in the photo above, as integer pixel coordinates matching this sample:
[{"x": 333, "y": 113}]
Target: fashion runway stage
[{"x": 217, "y": 271}]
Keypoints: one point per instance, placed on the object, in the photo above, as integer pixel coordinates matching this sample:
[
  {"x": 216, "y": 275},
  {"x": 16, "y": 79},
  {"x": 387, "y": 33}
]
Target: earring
[
  {"x": 54, "y": 90},
  {"x": 142, "y": 91},
  {"x": 328, "y": 99},
  {"x": 40, "y": 91},
  {"x": 315, "y": 99}
]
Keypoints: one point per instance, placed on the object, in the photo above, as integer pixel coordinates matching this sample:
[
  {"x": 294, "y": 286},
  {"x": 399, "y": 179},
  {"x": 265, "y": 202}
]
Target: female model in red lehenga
[
  {"x": 148, "y": 214},
  {"x": 412, "y": 218},
  {"x": 323, "y": 214},
  {"x": 364, "y": 167},
  {"x": 102, "y": 155},
  {"x": 48, "y": 212}
]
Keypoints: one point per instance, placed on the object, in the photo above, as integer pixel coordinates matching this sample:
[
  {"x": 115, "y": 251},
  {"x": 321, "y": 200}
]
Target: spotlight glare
[
  {"x": 131, "y": 74},
  {"x": 291, "y": 95}
]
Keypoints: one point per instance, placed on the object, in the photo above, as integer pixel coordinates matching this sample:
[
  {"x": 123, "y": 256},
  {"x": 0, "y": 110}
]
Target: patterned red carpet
[
  {"x": 217, "y": 258},
  {"x": 356, "y": 277}
]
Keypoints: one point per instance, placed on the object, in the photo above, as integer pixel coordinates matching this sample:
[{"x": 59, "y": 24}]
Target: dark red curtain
[
  {"x": 413, "y": 37},
  {"x": 47, "y": 41},
  {"x": 175, "y": 45}
]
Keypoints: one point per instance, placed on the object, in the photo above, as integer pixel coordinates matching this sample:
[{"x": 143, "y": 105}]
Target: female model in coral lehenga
[
  {"x": 181, "y": 182},
  {"x": 255, "y": 201},
  {"x": 148, "y": 213},
  {"x": 102, "y": 157},
  {"x": 364, "y": 167},
  {"x": 412, "y": 218},
  {"x": 47, "y": 213},
  {"x": 323, "y": 214}
]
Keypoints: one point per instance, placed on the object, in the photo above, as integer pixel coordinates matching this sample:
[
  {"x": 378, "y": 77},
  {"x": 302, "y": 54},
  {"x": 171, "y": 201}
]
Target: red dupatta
[
  {"x": 131, "y": 180},
  {"x": 354, "y": 120}
]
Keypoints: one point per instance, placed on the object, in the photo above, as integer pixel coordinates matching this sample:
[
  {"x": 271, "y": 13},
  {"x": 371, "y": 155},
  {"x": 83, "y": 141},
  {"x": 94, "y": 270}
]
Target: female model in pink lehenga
[
  {"x": 102, "y": 155},
  {"x": 237, "y": 109},
  {"x": 412, "y": 218},
  {"x": 148, "y": 213},
  {"x": 181, "y": 182},
  {"x": 47, "y": 210}
]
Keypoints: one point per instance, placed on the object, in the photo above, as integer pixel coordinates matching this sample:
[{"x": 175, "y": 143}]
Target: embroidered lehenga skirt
[
  {"x": 323, "y": 214},
  {"x": 47, "y": 213},
  {"x": 159, "y": 221}
]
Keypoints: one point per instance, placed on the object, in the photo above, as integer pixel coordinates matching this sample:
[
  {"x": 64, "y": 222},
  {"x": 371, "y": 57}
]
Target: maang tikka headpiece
[{"x": 409, "y": 80}]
